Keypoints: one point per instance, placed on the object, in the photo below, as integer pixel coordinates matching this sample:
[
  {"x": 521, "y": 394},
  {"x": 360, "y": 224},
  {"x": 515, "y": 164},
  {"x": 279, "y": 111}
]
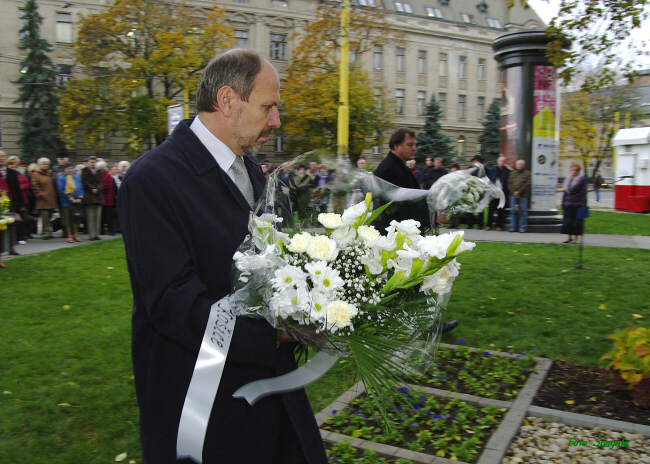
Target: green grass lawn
[
  {"x": 65, "y": 367},
  {"x": 606, "y": 222}
]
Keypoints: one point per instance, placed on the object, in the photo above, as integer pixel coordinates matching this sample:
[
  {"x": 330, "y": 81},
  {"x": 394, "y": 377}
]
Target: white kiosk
[{"x": 632, "y": 189}]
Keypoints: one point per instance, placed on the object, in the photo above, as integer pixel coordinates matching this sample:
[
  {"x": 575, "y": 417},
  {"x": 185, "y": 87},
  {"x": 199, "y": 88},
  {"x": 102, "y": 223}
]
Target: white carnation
[
  {"x": 344, "y": 236},
  {"x": 442, "y": 281},
  {"x": 322, "y": 248},
  {"x": 351, "y": 214},
  {"x": 300, "y": 242},
  {"x": 339, "y": 314},
  {"x": 408, "y": 227},
  {"x": 368, "y": 234},
  {"x": 330, "y": 220}
]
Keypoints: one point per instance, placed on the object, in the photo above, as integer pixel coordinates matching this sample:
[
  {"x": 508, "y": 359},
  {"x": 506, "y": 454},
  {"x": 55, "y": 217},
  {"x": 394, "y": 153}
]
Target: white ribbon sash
[
  {"x": 207, "y": 376},
  {"x": 205, "y": 381}
]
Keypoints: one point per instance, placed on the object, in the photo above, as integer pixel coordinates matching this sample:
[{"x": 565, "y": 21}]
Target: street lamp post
[{"x": 344, "y": 109}]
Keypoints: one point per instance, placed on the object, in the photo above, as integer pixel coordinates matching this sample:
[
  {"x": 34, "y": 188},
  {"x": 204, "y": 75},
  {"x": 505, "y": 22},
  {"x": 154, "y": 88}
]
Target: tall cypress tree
[
  {"x": 39, "y": 136},
  {"x": 432, "y": 142},
  {"x": 490, "y": 139}
]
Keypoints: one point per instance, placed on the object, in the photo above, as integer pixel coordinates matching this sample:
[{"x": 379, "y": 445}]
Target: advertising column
[{"x": 544, "y": 154}]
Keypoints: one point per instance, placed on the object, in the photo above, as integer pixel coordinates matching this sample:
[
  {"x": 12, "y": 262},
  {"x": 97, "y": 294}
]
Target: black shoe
[
  {"x": 449, "y": 326},
  {"x": 14, "y": 253}
]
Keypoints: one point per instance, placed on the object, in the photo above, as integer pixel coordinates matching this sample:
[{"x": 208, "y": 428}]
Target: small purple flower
[
  {"x": 417, "y": 406},
  {"x": 357, "y": 413},
  {"x": 334, "y": 411},
  {"x": 504, "y": 384},
  {"x": 486, "y": 354},
  {"x": 437, "y": 416},
  {"x": 526, "y": 371},
  {"x": 533, "y": 350},
  {"x": 462, "y": 341},
  {"x": 414, "y": 426},
  {"x": 442, "y": 377},
  {"x": 422, "y": 398},
  {"x": 429, "y": 413}
]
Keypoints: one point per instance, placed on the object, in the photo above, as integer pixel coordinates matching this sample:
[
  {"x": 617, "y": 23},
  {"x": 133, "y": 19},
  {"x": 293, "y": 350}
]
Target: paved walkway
[{"x": 616, "y": 241}]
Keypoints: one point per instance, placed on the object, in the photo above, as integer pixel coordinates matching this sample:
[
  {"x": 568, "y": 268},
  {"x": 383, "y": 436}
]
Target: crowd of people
[{"x": 45, "y": 198}]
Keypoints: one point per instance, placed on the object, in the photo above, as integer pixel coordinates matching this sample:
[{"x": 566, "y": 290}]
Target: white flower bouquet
[
  {"x": 461, "y": 192},
  {"x": 351, "y": 289}
]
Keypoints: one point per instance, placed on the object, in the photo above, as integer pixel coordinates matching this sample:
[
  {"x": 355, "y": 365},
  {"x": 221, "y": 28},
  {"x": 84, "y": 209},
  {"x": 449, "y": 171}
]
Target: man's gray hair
[{"x": 237, "y": 69}]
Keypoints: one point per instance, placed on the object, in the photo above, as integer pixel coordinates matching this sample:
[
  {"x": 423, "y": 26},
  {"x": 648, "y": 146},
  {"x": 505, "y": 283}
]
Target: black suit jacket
[
  {"x": 393, "y": 170},
  {"x": 15, "y": 192},
  {"x": 182, "y": 219}
]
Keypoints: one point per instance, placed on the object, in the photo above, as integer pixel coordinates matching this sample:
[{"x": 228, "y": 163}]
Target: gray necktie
[{"x": 242, "y": 180}]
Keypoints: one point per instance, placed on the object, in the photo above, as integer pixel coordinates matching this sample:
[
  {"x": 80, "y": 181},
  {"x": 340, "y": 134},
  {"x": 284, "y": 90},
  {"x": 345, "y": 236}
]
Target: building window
[
  {"x": 376, "y": 150},
  {"x": 442, "y": 99},
  {"x": 240, "y": 1},
  {"x": 467, "y": 18},
  {"x": 481, "y": 108},
  {"x": 422, "y": 62},
  {"x": 399, "y": 100},
  {"x": 422, "y": 104},
  {"x": 65, "y": 74},
  {"x": 442, "y": 65},
  {"x": 433, "y": 12},
  {"x": 481, "y": 69},
  {"x": 279, "y": 4},
  {"x": 378, "y": 57},
  {"x": 461, "y": 146},
  {"x": 403, "y": 7},
  {"x": 278, "y": 47},
  {"x": 399, "y": 59},
  {"x": 242, "y": 39},
  {"x": 461, "y": 106},
  {"x": 494, "y": 23},
  {"x": 64, "y": 27},
  {"x": 367, "y": 2},
  {"x": 279, "y": 144},
  {"x": 478, "y": 148},
  {"x": 462, "y": 67}
]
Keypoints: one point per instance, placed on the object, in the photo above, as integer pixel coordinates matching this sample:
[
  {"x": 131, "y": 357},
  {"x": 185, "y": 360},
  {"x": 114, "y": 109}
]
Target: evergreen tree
[
  {"x": 490, "y": 139},
  {"x": 432, "y": 142},
  {"x": 39, "y": 136}
]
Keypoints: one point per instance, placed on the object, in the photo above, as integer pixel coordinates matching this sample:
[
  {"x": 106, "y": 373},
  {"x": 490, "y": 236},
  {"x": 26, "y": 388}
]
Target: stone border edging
[
  {"x": 495, "y": 449},
  {"x": 583, "y": 420}
]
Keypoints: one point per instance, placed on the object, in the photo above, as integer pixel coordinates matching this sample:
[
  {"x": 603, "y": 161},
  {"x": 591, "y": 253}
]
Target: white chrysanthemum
[
  {"x": 368, "y": 234},
  {"x": 339, "y": 314},
  {"x": 442, "y": 281},
  {"x": 316, "y": 268},
  {"x": 344, "y": 236},
  {"x": 322, "y": 248},
  {"x": 291, "y": 302},
  {"x": 351, "y": 214},
  {"x": 300, "y": 242},
  {"x": 328, "y": 280},
  {"x": 330, "y": 220},
  {"x": 318, "y": 303},
  {"x": 288, "y": 277}
]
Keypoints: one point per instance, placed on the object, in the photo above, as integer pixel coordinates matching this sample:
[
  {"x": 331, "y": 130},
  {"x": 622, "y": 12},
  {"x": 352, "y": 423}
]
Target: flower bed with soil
[
  {"x": 344, "y": 453},
  {"x": 584, "y": 390},
  {"x": 422, "y": 423},
  {"x": 477, "y": 372}
]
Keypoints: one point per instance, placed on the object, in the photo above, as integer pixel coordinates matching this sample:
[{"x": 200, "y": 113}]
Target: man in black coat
[
  {"x": 499, "y": 176},
  {"x": 183, "y": 217},
  {"x": 394, "y": 170},
  {"x": 432, "y": 172}
]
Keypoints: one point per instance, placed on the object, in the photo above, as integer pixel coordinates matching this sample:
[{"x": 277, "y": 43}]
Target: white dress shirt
[{"x": 223, "y": 155}]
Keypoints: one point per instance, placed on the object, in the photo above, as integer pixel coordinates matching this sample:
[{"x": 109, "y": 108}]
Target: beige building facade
[{"x": 446, "y": 52}]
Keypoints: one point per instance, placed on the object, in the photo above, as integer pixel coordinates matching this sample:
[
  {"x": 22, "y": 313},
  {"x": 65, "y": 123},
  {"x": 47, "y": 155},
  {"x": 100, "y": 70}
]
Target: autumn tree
[
  {"x": 589, "y": 121},
  {"x": 588, "y": 29},
  {"x": 311, "y": 87},
  {"x": 138, "y": 56},
  {"x": 39, "y": 133},
  {"x": 490, "y": 138},
  {"x": 432, "y": 141}
]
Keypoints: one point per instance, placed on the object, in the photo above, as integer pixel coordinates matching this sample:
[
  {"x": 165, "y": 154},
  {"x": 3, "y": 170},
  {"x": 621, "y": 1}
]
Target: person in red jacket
[{"x": 110, "y": 192}]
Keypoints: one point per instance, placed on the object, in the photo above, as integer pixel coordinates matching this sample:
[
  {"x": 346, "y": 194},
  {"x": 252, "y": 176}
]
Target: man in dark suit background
[
  {"x": 393, "y": 169},
  {"x": 183, "y": 217}
]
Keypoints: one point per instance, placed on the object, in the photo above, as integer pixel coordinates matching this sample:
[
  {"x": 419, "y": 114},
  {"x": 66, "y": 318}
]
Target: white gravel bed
[{"x": 552, "y": 442}]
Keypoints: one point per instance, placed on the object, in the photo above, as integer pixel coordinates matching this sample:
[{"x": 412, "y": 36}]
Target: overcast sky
[{"x": 547, "y": 9}]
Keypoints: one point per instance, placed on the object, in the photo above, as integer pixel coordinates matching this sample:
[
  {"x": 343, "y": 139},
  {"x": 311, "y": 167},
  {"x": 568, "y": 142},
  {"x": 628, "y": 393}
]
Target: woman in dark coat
[{"x": 574, "y": 198}]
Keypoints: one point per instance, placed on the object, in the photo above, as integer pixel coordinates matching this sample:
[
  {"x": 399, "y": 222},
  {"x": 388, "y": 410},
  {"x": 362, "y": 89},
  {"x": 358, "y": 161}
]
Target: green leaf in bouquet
[
  {"x": 393, "y": 282},
  {"x": 376, "y": 213}
]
